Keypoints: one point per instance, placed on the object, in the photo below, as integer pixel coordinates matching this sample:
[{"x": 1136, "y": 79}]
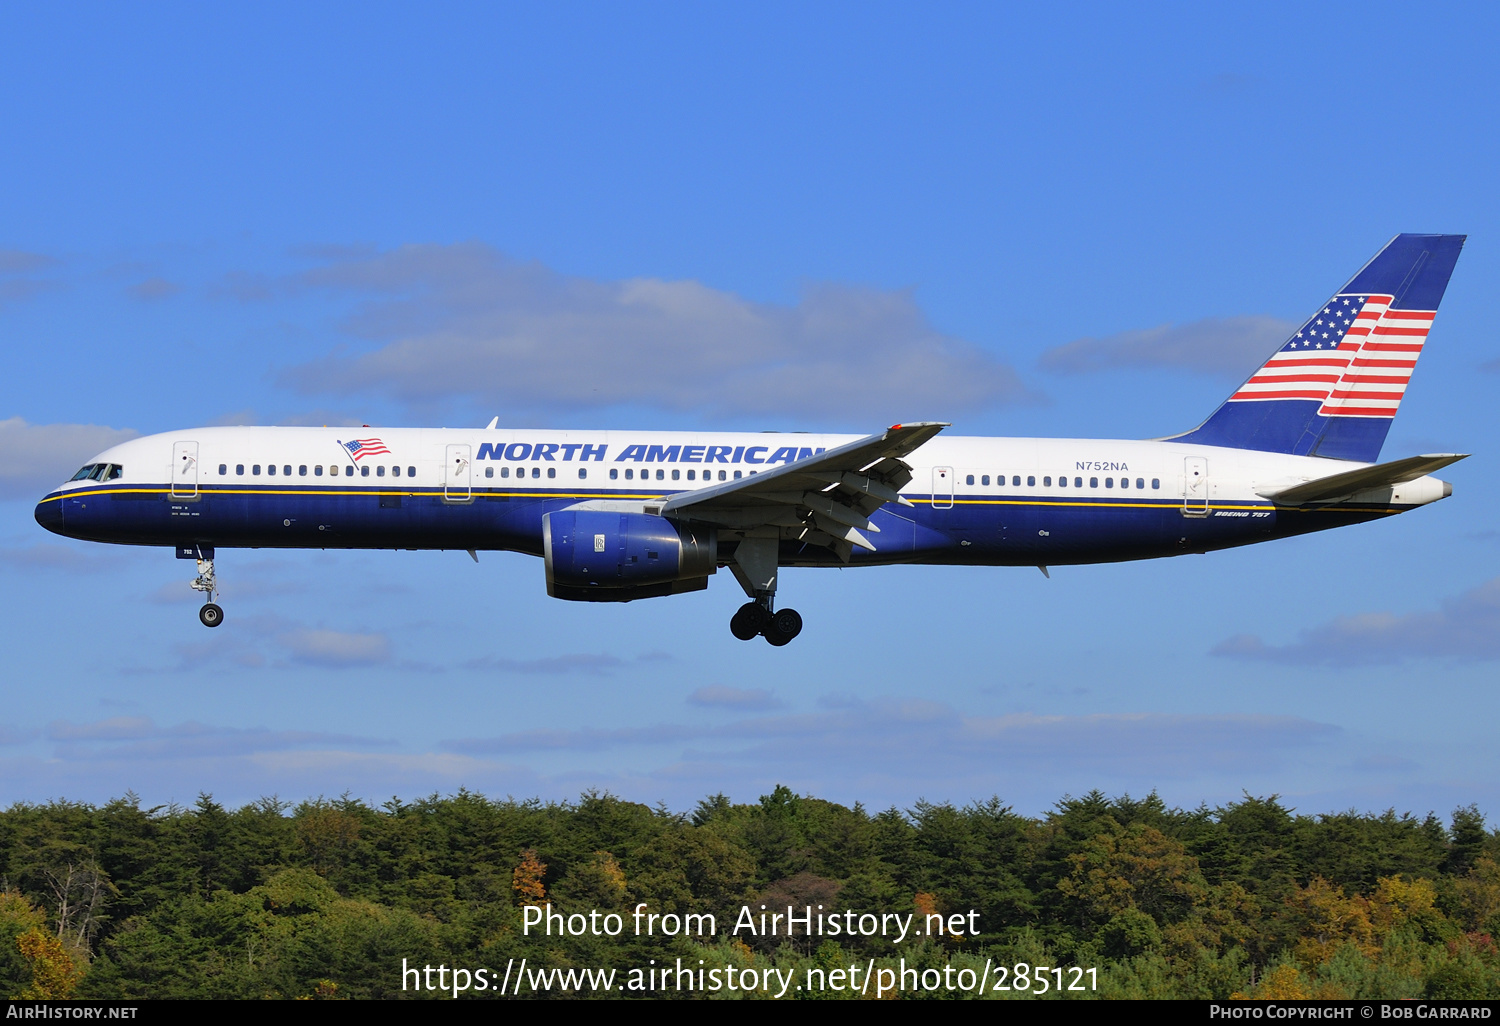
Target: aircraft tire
[
  {"x": 747, "y": 622},
  {"x": 211, "y": 615},
  {"x": 786, "y": 623}
]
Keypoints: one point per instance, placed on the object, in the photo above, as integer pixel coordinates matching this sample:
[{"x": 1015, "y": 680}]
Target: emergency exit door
[{"x": 942, "y": 487}]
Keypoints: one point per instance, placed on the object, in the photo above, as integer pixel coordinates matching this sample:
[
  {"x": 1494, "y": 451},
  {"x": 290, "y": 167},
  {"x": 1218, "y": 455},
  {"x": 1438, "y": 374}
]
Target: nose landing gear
[{"x": 211, "y": 614}]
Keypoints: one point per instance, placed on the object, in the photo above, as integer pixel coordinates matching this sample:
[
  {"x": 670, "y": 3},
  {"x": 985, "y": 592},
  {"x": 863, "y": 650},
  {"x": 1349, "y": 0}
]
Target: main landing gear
[
  {"x": 754, "y": 566},
  {"x": 211, "y": 615},
  {"x": 754, "y": 618}
]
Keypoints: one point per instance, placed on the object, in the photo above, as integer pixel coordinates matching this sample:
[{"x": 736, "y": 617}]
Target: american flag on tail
[{"x": 1354, "y": 356}]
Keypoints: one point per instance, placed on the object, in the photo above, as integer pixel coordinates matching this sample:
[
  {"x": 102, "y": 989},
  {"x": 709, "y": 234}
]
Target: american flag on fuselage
[
  {"x": 1354, "y": 356},
  {"x": 362, "y": 447}
]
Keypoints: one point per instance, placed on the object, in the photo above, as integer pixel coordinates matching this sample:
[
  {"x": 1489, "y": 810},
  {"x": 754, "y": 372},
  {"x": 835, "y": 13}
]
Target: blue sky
[{"x": 1090, "y": 221}]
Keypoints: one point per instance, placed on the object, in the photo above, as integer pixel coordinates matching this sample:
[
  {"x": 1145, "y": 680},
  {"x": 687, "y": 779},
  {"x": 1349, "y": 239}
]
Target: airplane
[{"x": 622, "y": 515}]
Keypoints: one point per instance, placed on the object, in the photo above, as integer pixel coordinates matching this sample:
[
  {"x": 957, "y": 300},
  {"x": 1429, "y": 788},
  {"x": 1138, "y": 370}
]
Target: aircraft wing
[
  {"x": 1338, "y": 486},
  {"x": 829, "y": 496}
]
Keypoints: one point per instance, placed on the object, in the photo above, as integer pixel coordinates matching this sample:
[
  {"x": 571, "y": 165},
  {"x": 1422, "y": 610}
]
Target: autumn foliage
[{"x": 1251, "y": 900}]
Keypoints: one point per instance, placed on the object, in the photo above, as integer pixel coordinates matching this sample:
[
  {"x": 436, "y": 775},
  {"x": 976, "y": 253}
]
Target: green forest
[{"x": 330, "y": 898}]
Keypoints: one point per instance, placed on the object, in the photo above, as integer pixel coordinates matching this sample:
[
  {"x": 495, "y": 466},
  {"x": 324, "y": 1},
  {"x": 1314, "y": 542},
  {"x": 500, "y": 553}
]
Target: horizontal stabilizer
[{"x": 1338, "y": 486}]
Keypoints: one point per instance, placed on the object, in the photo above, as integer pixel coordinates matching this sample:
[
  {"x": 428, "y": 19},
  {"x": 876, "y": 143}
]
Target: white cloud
[
  {"x": 1465, "y": 627},
  {"x": 140, "y": 737},
  {"x": 50, "y": 556},
  {"x": 1224, "y": 346},
  {"x": 892, "y": 738},
  {"x": 336, "y": 648},
  {"x": 744, "y": 699},
  {"x": 155, "y": 288},
  {"x": 37, "y": 457},
  {"x": 463, "y": 321},
  {"x": 15, "y": 261},
  {"x": 599, "y": 664},
  {"x": 585, "y": 740}
]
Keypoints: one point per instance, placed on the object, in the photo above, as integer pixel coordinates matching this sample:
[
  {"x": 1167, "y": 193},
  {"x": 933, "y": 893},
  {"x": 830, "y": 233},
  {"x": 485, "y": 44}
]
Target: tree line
[{"x": 327, "y": 898}]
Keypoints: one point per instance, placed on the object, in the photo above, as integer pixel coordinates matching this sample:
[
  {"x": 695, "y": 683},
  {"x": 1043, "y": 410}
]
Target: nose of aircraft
[{"x": 49, "y": 513}]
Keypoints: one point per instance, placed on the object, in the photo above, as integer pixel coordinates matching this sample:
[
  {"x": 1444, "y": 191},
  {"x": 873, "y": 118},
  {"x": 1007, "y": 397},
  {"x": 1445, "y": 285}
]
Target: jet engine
[{"x": 606, "y": 556}]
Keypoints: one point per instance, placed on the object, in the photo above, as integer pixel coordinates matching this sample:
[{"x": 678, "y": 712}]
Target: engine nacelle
[{"x": 605, "y": 556}]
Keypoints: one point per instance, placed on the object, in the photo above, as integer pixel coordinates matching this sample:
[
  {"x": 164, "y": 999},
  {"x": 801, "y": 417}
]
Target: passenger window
[
  {"x": 380, "y": 472},
  {"x": 723, "y": 476},
  {"x": 302, "y": 470},
  {"x": 613, "y": 473},
  {"x": 287, "y": 470},
  {"x": 582, "y": 473},
  {"x": 1030, "y": 481},
  {"x": 1156, "y": 483},
  {"x": 536, "y": 471},
  {"x": 969, "y": 479},
  {"x": 364, "y": 471},
  {"x": 348, "y": 471},
  {"x": 1093, "y": 482},
  {"x": 255, "y": 469},
  {"x": 691, "y": 475},
  {"x": 661, "y": 475},
  {"x": 736, "y": 475},
  {"x": 239, "y": 468},
  {"x": 1124, "y": 482},
  {"x": 1047, "y": 482},
  {"x": 396, "y": 471},
  {"x": 489, "y": 471},
  {"x": 551, "y": 471},
  {"x": 629, "y": 474},
  {"x": 676, "y": 474},
  {"x": 411, "y": 471},
  {"x": 1078, "y": 482},
  {"x": 271, "y": 469},
  {"x": 318, "y": 470},
  {"x": 1062, "y": 482},
  {"x": 1140, "y": 482},
  {"x": 1109, "y": 482},
  {"x": 223, "y": 470},
  {"x": 1016, "y": 479},
  {"x": 984, "y": 479}
]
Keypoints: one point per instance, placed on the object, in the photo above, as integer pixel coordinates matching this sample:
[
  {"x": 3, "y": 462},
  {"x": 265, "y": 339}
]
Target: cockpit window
[{"x": 98, "y": 472}]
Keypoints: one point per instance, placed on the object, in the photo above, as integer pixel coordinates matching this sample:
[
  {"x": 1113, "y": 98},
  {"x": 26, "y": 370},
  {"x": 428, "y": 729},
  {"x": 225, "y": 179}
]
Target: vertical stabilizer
[{"x": 1334, "y": 387}]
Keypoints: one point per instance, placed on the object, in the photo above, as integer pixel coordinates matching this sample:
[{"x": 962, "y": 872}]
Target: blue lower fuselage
[{"x": 976, "y": 530}]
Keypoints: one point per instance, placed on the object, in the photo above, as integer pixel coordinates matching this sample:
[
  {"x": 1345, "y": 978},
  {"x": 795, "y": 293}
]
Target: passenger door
[
  {"x": 1195, "y": 487},
  {"x": 184, "y": 470},
  {"x": 457, "y": 474}
]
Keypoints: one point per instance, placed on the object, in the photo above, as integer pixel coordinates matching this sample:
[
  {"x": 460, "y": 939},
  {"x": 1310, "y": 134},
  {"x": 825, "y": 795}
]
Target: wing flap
[{"x": 831, "y": 494}]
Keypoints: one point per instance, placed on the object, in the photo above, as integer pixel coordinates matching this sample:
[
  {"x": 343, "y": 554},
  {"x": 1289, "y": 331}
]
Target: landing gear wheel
[
  {"x": 748, "y": 621},
  {"x": 211, "y": 615},
  {"x": 784, "y": 625}
]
